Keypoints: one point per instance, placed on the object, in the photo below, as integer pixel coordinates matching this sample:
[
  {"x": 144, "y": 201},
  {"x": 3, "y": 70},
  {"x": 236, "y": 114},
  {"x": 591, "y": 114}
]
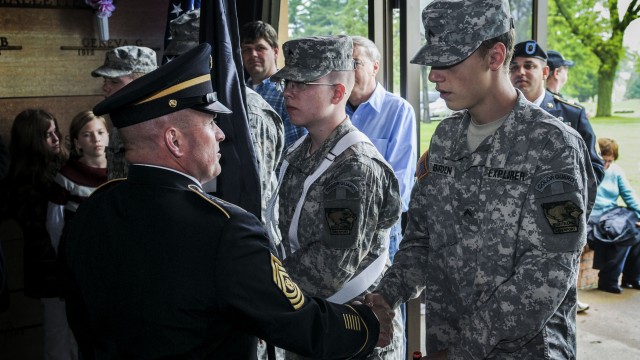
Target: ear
[
  {"x": 376, "y": 67},
  {"x": 339, "y": 92},
  {"x": 174, "y": 141},
  {"x": 545, "y": 72},
  {"x": 496, "y": 56},
  {"x": 275, "y": 53}
]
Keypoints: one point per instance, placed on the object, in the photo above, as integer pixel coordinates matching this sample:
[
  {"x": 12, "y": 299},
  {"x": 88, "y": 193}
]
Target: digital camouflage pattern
[
  {"x": 267, "y": 134},
  {"x": 185, "y": 33},
  {"x": 494, "y": 238},
  {"x": 310, "y": 58},
  {"x": 454, "y": 29},
  {"x": 345, "y": 218},
  {"x": 125, "y": 60}
]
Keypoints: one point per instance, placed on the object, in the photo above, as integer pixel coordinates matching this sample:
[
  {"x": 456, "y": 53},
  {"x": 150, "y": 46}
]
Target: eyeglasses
[{"x": 297, "y": 86}]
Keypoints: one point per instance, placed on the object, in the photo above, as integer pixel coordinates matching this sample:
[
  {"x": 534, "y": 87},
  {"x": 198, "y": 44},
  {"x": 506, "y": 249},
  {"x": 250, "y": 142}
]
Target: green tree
[
  {"x": 601, "y": 32},
  {"x": 328, "y": 17},
  {"x": 633, "y": 87},
  {"x": 583, "y": 79}
]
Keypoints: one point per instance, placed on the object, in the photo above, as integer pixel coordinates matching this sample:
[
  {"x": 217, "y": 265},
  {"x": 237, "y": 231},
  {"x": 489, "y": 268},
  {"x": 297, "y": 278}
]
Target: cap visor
[
  {"x": 109, "y": 72},
  {"x": 443, "y": 55},
  {"x": 214, "y": 108},
  {"x": 299, "y": 74},
  {"x": 569, "y": 63}
]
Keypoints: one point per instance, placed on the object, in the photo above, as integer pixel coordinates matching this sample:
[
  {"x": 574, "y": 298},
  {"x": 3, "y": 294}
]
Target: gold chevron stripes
[
  {"x": 284, "y": 282},
  {"x": 351, "y": 322},
  {"x": 175, "y": 88}
]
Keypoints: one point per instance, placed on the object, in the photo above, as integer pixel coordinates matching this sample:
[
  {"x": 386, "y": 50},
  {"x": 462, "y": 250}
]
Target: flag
[
  {"x": 239, "y": 182},
  {"x": 176, "y": 8}
]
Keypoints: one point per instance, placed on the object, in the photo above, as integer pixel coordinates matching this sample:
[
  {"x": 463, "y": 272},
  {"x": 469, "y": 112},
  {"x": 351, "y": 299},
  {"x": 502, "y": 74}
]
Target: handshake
[{"x": 385, "y": 315}]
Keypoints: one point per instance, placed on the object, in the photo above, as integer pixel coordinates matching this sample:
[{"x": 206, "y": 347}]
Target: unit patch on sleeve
[
  {"x": 562, "y": 216},
  {"x": 422, "y": 169},
  {"x": 284, "y": 282},
  {"x": 340, "y": 220}
]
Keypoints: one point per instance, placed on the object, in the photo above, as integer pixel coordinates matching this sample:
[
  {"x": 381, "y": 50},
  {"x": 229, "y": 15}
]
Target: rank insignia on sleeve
[
  {"x": 422, "y": 169},
  {"x": 340, "y": 220},
  {"x": 562, "y": 216},
  {"x": 286, "y": 285}
]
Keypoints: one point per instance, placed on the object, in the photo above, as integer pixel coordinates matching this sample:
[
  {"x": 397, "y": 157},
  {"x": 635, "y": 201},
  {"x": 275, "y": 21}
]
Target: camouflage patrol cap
[
  {"x": 454, "y": 29},
  {"x": 124, "y": 60},
  {"x": 310, "y": 58},
  {"x": 185, "y": 33}
]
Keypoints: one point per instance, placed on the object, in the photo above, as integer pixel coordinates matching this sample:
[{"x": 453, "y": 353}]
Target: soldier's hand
[{"x": 385, "y": 315}]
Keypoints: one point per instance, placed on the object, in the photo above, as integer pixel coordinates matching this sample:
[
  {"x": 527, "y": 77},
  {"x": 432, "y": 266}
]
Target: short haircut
[
  {"x": 369, "y": 47},
  {"x": 256, "y": 30},
  {"x": 608, "y": 147},
  {"x": 508, "y": 39}
]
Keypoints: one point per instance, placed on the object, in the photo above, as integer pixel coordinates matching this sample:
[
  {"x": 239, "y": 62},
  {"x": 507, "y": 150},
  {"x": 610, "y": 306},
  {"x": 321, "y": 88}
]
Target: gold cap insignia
[{"x": 173, "y": 103}]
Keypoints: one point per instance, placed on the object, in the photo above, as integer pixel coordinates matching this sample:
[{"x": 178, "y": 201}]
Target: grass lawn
[{"x": 624, "y": 127}]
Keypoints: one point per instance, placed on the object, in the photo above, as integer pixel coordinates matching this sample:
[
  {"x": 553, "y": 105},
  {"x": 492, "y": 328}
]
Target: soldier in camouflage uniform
[
  {"x": 336, "y": 228},
  {"x": 121, "y": 66},
  {"x": 498, "y": 214}
]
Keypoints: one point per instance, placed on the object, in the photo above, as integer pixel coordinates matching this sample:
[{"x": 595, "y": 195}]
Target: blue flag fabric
[{"x": 239, "y": 182}]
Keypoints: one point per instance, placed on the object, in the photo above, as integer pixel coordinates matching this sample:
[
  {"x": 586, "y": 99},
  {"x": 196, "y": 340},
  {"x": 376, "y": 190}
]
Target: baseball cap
[
  {"x": 183, "y": 83},
  {"x": 454, "y": 29},
  {"x": 530, "y": 49},
  {"x": 124, "y": 60},
  {"x": 556, "y": 60},
  {"x": 310, "y": 58}
]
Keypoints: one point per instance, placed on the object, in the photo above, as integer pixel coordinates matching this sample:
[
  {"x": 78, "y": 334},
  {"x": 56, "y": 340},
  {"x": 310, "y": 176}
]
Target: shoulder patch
[
  {"x": 108, "y": 185},
  {"x": 565, "y": 101},
  {"x": 422, "y": 168},
  {"x": 210, "y": 199},
  {"x": 286, "y": 285},
  {"x": 562, "y": 216}
]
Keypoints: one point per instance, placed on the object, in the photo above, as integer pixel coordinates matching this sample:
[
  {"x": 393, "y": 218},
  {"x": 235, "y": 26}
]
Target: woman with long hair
[{"x": 36, "y": 155}]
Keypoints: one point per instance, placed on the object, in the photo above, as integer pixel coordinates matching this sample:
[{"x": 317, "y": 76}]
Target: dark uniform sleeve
[
  {"x": 586, "y": 132},
  {"x": 255, "y": 283}
]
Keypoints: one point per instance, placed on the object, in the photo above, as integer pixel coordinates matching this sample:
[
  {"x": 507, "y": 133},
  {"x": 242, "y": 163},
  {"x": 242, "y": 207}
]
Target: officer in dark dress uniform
[
  {"x": 529, "y": 78},
  {"x": 157, "y": 268}
]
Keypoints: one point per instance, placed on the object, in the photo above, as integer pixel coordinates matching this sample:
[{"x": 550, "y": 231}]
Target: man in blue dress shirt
[{"x": 388, "y": 120}]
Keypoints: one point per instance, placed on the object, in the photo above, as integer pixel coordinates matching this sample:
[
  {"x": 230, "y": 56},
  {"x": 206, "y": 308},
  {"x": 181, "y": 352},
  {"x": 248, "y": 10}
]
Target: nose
[
  {"x": 219, "y": 134},
  {"x": 54, "y": 138},
  {"x": 435, "y": 75}
]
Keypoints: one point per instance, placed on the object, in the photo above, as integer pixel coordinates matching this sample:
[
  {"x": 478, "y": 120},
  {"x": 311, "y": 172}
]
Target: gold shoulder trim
[
  {"x": 201, "y": 193},
  {"x": 107, "y": 185},
  {"x": 565, "y": 101}
]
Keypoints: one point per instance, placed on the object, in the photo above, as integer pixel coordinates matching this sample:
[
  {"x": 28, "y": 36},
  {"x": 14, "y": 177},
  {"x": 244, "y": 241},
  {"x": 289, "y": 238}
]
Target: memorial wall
[{"x": 48, "y": 49}]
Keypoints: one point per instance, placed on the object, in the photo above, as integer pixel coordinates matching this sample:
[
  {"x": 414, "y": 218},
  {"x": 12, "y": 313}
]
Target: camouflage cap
[
  {"x": 185, "y": 33},
  {"x": 310, "y": 58},
  {"x": 454, "y": 29},
  {"x": 124, "y": 60}
]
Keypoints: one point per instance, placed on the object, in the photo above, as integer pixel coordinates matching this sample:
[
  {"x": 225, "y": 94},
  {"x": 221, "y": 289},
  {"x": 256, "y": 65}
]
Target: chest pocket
[{"x": 441, "y": 203}]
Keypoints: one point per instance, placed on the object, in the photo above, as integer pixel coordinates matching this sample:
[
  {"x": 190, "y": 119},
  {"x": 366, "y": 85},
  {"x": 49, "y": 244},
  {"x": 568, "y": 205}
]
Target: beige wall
[{"x": 43, "y": 74}]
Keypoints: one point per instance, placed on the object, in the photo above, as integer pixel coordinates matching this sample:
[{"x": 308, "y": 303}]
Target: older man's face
[{"x": 528, "y": 75}]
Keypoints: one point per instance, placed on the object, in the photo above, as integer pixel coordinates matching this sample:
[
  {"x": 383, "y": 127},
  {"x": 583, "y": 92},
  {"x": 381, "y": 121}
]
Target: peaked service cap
[
  {"x": 183, "y": 83},
  {"x": 454, "y": 29},
  {"x": 310, "y": 58}
]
